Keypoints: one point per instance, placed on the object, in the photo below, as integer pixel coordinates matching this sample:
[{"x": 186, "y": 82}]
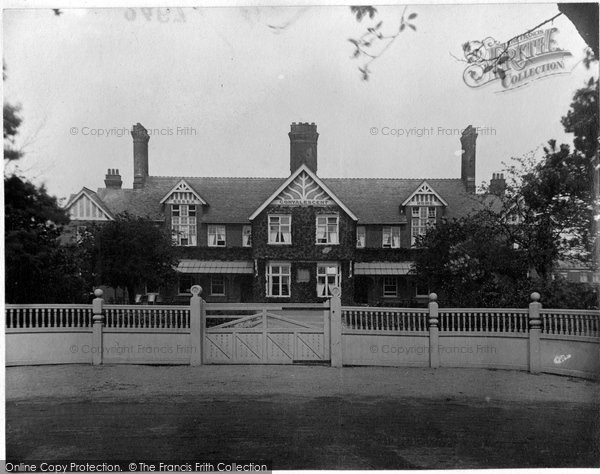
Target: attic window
[{"x": 183, "y": 224}]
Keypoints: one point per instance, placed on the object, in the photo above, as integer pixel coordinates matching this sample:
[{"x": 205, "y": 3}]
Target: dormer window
[
  {"x": 422, "y": 219},
  {"x": 183, "y": 224},
  {"x": 425, "y": 203}
]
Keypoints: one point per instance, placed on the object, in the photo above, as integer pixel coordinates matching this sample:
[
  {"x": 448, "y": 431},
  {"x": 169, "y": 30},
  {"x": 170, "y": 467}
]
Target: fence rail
[
  {"x": 570, "y": 322},
  {"x": 581, "y": 323},
  {"x": 48, "y": 316},
  {"x": 385, "y": 319},
  {"x": 483, "y": 320},
  {"x": 151, "y": 317}
]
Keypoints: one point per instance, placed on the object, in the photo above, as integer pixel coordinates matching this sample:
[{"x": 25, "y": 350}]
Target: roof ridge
[
  {"x": 320, "y": 177},
  {"x": 216, "y": 177},
  {"x": 396, "y": 179}
]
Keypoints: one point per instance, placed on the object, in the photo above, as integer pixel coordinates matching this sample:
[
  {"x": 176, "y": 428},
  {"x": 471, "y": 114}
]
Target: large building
[{"x": 288, "y": 239}]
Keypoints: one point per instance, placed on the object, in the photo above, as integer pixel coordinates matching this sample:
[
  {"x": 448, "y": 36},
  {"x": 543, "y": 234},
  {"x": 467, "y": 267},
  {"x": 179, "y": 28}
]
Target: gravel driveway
[{"x": 304, "y": 417}]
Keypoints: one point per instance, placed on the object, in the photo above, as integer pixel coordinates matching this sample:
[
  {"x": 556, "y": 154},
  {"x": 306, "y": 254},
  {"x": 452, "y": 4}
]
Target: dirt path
[{"x": 304, "y": 417}]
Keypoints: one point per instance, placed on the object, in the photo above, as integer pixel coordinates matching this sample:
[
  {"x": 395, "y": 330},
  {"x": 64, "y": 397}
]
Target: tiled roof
[
  {"x": 230, "y": 200},
  {"x": 233, "y": 200},
  {"x": 378, "y": 200}
]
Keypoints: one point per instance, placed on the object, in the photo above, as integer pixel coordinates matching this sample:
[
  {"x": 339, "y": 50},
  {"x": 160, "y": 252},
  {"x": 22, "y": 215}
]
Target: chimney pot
[
  {"x": 497, "y": 184},
  {"x": 112, "y": 180}
]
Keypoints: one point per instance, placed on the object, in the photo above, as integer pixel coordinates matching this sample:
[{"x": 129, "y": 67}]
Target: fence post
[
  {"x": 335, "y": 327},
  {"x": 535, "y": 323},
  {"x": 434, "y": 354},
  {"x": 98, "y": 324},
  {"x": 326, "y": 329},
  {"x": 196, "y": 325}
]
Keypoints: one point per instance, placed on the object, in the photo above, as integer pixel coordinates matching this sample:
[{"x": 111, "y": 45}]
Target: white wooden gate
[{"x": 268, "y": 335}]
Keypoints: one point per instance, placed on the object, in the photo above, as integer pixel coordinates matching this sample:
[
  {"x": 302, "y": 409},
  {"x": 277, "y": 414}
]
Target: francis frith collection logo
[{"x": 516, "y": 63}]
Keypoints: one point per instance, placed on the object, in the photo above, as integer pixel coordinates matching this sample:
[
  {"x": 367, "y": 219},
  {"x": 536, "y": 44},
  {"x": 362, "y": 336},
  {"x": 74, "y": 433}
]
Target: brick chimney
[
  {"x": 140, "y": 155},
  {"x": 303, "y": 146},
  {"x": 497, "y": 184},
  {"x": 467, "y": 170},
  {"x": 112, "y": 180}
]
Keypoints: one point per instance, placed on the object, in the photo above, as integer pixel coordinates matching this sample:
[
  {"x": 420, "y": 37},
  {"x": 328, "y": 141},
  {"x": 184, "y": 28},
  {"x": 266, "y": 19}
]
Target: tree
[
  {"x": 547, "y": 214},
  {"x": 37, "y": 267},
  {"x": 12, "y": 122},
  {"x": 130, "y": 252},
  {"x": 471, "y": 261}
]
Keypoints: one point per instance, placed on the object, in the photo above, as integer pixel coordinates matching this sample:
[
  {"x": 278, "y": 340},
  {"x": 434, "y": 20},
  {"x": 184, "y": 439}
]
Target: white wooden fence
[{"x": 534, "y": 339}]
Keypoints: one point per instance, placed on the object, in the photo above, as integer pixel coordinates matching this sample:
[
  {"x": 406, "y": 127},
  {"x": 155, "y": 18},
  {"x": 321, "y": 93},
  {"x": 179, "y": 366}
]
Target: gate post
[
  {"x": 326, "y": 330},
  {"x": 98, "y": 324},
  {"x": 434, "y": 354},
  {"x": 335, "y": 316},
  {"x": 196, "y": 325},
  {"x": 535, "y": 323}
]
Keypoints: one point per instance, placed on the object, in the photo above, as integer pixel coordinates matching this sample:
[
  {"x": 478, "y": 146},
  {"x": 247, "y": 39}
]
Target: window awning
[
  {"x": 215, "y": 266},
  {"x": 382, "y": 268}
]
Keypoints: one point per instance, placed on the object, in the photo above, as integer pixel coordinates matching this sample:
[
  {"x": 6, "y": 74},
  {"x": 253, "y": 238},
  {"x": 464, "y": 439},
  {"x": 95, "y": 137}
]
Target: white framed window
[
  {"x": 278, "y": 279},
  {"x": 217, "y": 285},
  {"x": 185, "y": 283},
  {"x": 328, "y": 230},
  {"x": 247, "y": 236},
  {"x": 390, "y": 286},
  {"x": 280, "y": 230},
  {"x": 422, "y": 219},
  {"x": 391, "y": 237},
  {"x": 183, "y": 224},
  {"x": 216, "y": 236},
  {"x": 361, "y": 237},
  {"x": 328, "y": 276}
]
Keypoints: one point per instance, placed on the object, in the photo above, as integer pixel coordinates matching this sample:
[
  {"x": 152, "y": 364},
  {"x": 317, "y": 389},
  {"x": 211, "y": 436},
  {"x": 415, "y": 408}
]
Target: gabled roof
[
  {"x": 302, "y": 169},
  {"x": 92, "y": 197},
  {"x": 377, "y": 200},
  {"x": 424, "y": 188},
  {"x": 183, "y": 187},
  {"x": 232, "y": 200}
]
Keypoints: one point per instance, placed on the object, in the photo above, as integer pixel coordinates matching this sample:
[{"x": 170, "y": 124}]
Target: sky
[{"x": 219, "y": 87}]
